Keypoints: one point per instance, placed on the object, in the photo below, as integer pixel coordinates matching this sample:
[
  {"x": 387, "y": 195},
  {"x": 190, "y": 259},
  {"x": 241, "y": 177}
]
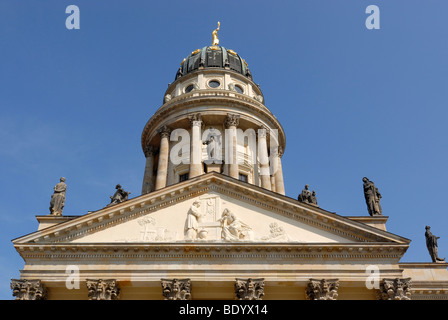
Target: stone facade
[{"x": 214, "y": 223}]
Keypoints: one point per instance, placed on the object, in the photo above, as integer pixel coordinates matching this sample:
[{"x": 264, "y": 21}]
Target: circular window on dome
[
  {"x": 214, "y": 84},
  {"x": 239, "y": 89},
  {"x": 189, "y": 88}
]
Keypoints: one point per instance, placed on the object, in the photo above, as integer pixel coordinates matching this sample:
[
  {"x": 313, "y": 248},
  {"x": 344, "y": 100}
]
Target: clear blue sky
[{"x": 353, "y": 102}]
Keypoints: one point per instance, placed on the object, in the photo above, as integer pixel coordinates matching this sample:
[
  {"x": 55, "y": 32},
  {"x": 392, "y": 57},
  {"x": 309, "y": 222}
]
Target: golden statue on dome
[{"x": 215, "y": 36}]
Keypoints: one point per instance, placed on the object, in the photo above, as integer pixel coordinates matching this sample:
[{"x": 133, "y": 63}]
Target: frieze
[
  {"x": 187, "y": 251},
  {"x": 206, "y": 97}
]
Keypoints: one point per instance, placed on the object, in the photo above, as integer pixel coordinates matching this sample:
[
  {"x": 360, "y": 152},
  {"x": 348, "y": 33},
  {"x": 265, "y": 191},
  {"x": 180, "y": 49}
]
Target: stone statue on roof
[
  {"x": 119, "y": 196},
  {"x": 431, "y": 244},
  {"x": 373, "y": 197},
  {"x": 57, "y": 201}
]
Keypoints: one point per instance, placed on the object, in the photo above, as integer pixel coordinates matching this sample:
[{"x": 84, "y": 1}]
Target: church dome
[{"x": 213, "y": 57}]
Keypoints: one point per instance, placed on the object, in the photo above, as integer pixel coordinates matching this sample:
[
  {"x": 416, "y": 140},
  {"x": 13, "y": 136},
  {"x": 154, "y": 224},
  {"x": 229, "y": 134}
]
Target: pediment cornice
[{"x": 137, "y": 207}]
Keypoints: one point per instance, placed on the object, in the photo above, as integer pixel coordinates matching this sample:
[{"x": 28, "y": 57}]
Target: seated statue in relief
[{"x": 234, "y": 229}]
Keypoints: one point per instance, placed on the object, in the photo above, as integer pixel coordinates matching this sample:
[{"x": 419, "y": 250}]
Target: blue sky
[{"x": 353, "y": 102}]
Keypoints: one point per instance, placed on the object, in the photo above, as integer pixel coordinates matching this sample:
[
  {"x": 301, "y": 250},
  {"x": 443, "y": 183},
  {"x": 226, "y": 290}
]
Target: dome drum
[{"x": 207, "y": 80}]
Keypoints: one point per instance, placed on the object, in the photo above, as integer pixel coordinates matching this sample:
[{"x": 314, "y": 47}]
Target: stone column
[
  {"x": 232, "y": 121},
  {"x": 195, "y": 146},
  {"x": 148, "y": 183},
  {"x": 28, "y": 289},
  {"x": 102, "y": 289},
  {"x": 162, "y": 169},
  {"x": 272, "y": 183},
  {"x": 264, "y": 158},
  {"x": 278, "y": 174},
  {"x": 176, "y": 289},
  {"x": 322, "y": 289},
  {"x": 249, "y": 289}
]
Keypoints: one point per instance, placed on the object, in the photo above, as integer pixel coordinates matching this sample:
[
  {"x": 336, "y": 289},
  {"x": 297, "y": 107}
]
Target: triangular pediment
[{"x": 192, "y": 211}]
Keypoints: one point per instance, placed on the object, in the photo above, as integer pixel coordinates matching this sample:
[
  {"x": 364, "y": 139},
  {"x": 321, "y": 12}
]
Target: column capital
[
  {"x": 232, "y": 120},
  {"x": 102, "y": 289},
  {"x": 249, "y": 289},
  {"x": 28, "y": 289},
  {"x": 164, "y": 131},
  {"x": 195, "y": 119},
  {"x": 322, "y": 289},
  {"x": 150, "y": 151},
  {"x": 395, "y": 289},
  {"x": 176, "y": 289}
]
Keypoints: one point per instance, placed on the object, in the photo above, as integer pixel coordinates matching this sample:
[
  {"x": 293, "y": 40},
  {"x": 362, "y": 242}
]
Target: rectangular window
[
  {"x": 242, "y": 177},
  {"x": 183, "y": 177}
]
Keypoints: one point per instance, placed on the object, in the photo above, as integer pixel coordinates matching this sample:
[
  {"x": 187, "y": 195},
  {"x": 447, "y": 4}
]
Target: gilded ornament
[{"x": 215, "y": 36}]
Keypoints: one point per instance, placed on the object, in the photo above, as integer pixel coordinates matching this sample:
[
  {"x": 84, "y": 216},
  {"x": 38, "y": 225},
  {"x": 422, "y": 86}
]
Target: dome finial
[{"x": 215, "y": 36}]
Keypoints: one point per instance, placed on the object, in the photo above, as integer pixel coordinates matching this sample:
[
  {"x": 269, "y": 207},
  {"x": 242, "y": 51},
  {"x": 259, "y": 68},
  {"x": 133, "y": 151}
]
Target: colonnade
[{"x": 269, "y": 180}]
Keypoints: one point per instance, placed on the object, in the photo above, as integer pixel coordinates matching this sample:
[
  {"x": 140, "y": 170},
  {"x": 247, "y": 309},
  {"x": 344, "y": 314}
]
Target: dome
[{"x": 213, "y": 57}]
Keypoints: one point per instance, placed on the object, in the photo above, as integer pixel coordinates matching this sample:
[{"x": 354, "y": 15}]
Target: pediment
[{"x": 192, "y": 211}]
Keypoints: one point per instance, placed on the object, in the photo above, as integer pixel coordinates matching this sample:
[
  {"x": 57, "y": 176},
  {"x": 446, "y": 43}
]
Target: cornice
[
  {"x": 438, "y": 292},
  {"x": 206, "y": 97},
  {"x": 208, "y": 250}
]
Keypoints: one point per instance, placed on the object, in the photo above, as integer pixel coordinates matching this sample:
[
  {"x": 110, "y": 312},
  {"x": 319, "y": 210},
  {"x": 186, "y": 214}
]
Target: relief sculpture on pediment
[
  {"x": 233, "y": 229},
  {"x": 276, "y": 234}
]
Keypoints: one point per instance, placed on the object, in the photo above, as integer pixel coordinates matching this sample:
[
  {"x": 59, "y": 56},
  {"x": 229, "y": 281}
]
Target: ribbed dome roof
[{"x": 213, "y": 57}]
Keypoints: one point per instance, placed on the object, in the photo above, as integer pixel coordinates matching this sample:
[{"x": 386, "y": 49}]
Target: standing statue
[
  {"x": 213, "y": 146},
  {"x": 373, "y": 197},
  {"x": 431, "y": 244},
  {"x": 215, "y": 36},
  {"x": 119, "y": 196},
  {"x": 192, "y": 222},
  {"x": 57, "y": 201}
]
